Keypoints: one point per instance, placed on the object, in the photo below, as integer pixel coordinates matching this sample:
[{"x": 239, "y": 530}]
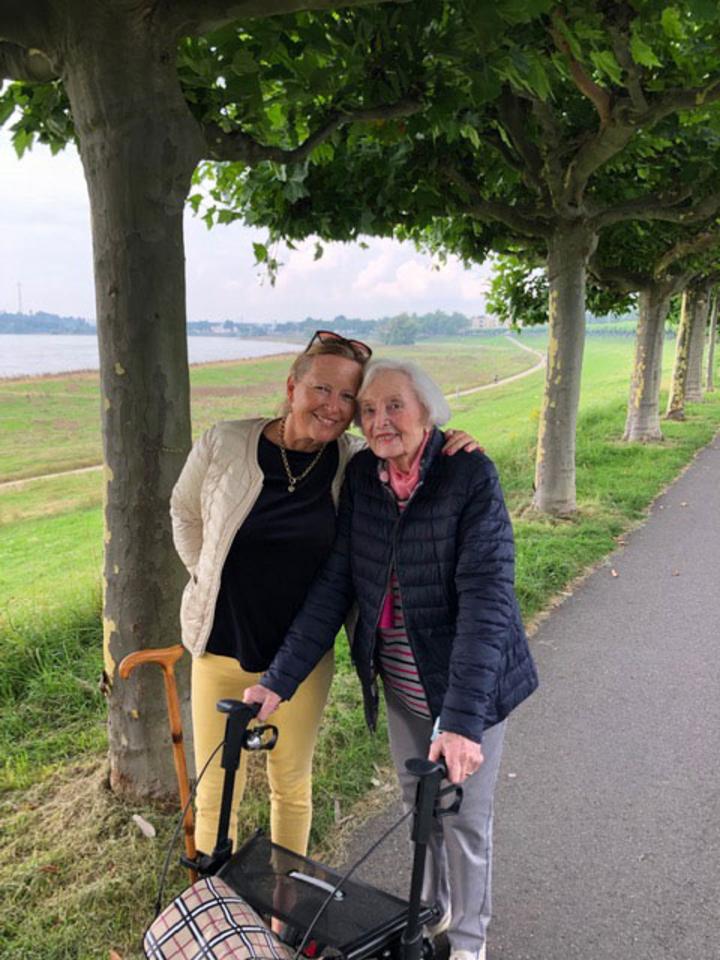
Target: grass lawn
[
  {"x": 78, "y": 876},
  {"x": 51, "y": 424}
]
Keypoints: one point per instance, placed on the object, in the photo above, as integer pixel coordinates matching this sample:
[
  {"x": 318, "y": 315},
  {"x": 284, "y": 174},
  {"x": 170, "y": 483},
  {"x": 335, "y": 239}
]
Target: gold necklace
[{"x": 293, "y": 481}]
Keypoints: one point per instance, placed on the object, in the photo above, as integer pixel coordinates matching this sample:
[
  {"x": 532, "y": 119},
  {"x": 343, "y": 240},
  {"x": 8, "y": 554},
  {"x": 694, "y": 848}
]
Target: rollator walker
[{"x": 324, "y": 913}]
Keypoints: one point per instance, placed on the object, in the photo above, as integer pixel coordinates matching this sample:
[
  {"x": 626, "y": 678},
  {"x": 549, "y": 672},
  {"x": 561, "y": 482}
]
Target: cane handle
[{"x": 166, "y": 657}]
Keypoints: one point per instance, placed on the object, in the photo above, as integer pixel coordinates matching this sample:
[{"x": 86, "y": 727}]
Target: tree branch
[
  {"x": 514, "y": 120},
  {"x": 635, "y": 209},
  {"x": 621, "y": 48},
  {"x": 657, "y": 208},
  {"x": 27, "y": 23},
  {"x": 623, "y": 125},
  {"x": 551, "y": 143},
  {"x": 617, "y": 279},
  {"x": 597, "y": 95},
  {"x": 593, "y": 153},
  {"x": 240, "y": 146},
  {"x": 19, "y": 63},
  {"x": 686, "y": 248},
  {"x": 525, "y": 221},
  {"x": 493, "y": 139},
  {"x": 192, "y": 17},
  {"x": 672, "y": 101}
]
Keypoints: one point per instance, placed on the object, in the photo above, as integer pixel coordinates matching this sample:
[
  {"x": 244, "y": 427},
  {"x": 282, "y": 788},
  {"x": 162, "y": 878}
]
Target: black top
[{"x": 274, "y": 557}]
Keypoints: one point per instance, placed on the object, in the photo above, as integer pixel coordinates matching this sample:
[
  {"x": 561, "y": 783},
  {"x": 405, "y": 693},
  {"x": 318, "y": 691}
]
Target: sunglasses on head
[{"x": 361, "y": 350}]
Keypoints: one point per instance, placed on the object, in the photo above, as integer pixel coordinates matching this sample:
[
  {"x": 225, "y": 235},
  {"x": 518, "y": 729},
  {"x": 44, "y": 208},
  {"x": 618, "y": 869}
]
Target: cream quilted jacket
[{"x": 219, "y": 484}]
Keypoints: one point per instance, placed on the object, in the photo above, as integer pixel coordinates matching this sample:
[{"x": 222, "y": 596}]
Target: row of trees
[
  {"x": 557, "y": 134},
  {"x": 437, "y": 323},
  {"x": 41, "y": 322}
]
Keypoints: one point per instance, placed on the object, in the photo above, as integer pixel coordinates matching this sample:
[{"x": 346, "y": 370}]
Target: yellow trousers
[{"x": 289, "y": 765}]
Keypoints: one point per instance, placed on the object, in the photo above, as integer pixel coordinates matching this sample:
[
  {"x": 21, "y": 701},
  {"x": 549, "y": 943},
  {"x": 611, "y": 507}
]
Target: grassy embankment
[
  {"x": 50, "y": 536},
  {"x": 51, "y": 730}
]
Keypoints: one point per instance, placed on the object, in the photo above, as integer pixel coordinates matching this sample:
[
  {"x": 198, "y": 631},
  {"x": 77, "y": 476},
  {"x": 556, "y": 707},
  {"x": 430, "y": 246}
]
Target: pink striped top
[{"x": 397, "y": 661}]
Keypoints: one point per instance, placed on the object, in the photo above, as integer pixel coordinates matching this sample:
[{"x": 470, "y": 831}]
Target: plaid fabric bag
[{"x": 209, "y": 921}]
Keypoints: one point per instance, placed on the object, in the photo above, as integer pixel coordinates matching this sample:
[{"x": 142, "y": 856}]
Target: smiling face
[
  {"x": 392, "y": 418},
  {"x": 321, "y": 401}
]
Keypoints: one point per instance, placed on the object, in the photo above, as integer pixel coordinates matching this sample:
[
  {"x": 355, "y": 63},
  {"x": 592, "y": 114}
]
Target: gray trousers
[{"x": 459, "y": 860}]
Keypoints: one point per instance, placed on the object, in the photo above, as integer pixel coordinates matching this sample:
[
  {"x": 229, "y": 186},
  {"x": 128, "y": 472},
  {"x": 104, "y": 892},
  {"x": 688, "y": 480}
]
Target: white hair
[{"x": 429, "y": 394}]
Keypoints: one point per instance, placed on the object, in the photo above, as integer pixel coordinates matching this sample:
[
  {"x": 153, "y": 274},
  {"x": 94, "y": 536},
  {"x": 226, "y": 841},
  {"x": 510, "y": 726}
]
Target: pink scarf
[{"x": 402, "y": 485}]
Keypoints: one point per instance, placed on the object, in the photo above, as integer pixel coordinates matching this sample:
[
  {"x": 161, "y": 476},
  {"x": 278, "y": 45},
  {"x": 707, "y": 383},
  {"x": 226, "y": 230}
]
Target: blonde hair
[{"x": 303, "y": 362}]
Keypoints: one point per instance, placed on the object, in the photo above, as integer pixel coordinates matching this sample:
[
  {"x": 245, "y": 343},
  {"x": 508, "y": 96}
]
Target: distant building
[{"x": 485, "y": 321}]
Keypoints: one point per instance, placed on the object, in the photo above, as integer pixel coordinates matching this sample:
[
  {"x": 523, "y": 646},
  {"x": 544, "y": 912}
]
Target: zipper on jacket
[
  {"x": 409, "y": 638},
  {"x": 393, "y": 566}
]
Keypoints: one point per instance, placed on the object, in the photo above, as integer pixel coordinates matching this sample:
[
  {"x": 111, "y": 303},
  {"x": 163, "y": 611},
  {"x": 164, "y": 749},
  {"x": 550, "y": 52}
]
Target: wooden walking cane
[{"x": 167, "y": 657}]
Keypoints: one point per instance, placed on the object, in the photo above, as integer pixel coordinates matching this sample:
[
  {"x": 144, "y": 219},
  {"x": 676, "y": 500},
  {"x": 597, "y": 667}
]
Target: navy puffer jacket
[{"x": 453, "y": 552}]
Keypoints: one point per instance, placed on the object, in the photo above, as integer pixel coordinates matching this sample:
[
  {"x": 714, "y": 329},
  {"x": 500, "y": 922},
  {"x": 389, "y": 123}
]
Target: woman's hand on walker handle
[
  {"x": 462, "y": 757},
  {"x": 268, "y": 698}
]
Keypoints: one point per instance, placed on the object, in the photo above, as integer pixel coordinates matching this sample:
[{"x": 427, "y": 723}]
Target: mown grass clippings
[{"x": 78, "y": 875}]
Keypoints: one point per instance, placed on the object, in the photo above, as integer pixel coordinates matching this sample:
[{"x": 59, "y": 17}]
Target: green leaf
[
  {"x": 7, "y": 105},
  {"x": 522, "y": 11},
  {"x": 261, "y": 252},
  {"x": 295, "y": 191},
  {"x": 243, "y": 62},
  {"x": 276, "y": 115},
  {"x": 572, "y": 40},
  {"x": 486, "y": 85},
  {"x": 538, "y": 78},
  {"x": 319, "y": 251},
  {"x": 322, "y": 153},
  {"x": 22, "y": 141},
  {"x": 672, "y": 24},
  {"x": 642, "y": 53},
  {"x": 471, "y": 134},
  {"x": 606, "y": 63},
  {"x": 704, "y": 10}
]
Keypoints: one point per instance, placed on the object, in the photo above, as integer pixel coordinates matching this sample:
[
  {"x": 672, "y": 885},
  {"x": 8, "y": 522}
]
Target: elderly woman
[
  {"x": 253, "y": 520},
  {"x": 426, "y": 548}
]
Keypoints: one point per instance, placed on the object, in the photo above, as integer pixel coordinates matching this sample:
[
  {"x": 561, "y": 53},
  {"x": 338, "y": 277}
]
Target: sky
[{"x": 46, "y": 260}]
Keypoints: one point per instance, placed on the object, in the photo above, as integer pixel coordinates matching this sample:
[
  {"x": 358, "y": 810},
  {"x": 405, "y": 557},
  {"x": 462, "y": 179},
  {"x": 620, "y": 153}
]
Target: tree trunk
[
  {"x": 696, "y": 347},
  {"x": 568, "y": 251},
  {"x": 643, "y": 417},
  {"x": 676, "y": 400},
  {"x": 139, "y": 147},
  {"x": 712, "y": 337}
]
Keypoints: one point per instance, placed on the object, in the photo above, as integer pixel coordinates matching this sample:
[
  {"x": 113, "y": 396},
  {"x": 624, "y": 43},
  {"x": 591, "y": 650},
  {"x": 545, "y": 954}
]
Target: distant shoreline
[
  {"x": 27, "y": 357},
  {"x": 88, "y": 372}
]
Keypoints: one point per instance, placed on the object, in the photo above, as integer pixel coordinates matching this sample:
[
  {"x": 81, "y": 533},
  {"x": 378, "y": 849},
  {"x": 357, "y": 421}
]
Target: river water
[{"x": 37, "y": 353}]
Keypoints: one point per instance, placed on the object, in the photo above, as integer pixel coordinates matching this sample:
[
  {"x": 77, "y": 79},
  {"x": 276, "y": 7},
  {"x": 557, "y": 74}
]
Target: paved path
[
  {"x": 541, "y": 359},
  {"x": 608, "y": 807}
]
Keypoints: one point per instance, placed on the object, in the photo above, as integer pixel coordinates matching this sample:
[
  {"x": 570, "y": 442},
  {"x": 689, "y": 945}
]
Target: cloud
[{"x": 45, "y": 244}]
